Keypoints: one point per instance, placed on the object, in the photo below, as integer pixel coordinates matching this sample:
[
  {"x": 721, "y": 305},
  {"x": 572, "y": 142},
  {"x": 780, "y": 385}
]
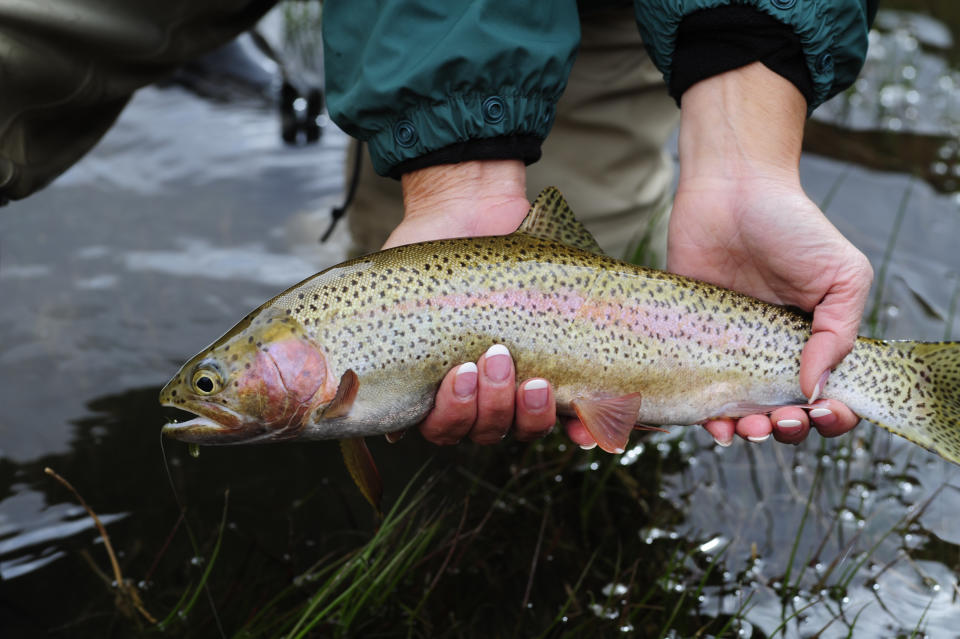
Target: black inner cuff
[
  {"x": 508, "y": 147},
  {"x": 713, "y": 41}
]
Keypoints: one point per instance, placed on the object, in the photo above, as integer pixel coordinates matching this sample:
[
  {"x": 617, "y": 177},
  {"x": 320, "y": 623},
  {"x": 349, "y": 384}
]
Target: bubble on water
[
  {"x": 197, "y": 560},
  {"x": 712, "y": 544},
  {"x": 561, "y": 448},
  {"x": 603, "y": 612},
  {"x": 891, "y": 95},
  {"x": 909, "y": 72},
  {"x": 912, "y": 96},
  {"x": 632, "y": 455},
  {"x": 939, "y": 168},
  {"x": 892, "y": 311},
  {"x": 594, "y": 465},
  {"x": 558, "y": 478},
  {"x": 894, "y": 124},
  {"x": 649, "y": 535},
  {"x": 615, "y": 589},
  {"x": 626, "y": 628},
  {"x": 945, "y": 83}
]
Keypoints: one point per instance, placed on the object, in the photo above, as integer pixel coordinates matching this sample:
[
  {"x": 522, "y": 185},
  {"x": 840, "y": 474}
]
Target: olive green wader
[{"x": 68, "y": 67}]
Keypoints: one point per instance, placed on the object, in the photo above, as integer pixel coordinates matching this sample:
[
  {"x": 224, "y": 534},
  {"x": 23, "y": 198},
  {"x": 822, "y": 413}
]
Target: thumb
[{"x": 836, "y": 321}]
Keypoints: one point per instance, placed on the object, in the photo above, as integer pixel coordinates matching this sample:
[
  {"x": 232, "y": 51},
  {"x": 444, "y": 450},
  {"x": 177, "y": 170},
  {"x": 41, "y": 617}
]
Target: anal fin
[{"x": 609, "y": 421}]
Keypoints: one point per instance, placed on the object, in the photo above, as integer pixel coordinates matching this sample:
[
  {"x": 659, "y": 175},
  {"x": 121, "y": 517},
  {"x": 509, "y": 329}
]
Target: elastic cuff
[
  {"x": 507, "y": 147},
  {"x": 714, "y": 41}
]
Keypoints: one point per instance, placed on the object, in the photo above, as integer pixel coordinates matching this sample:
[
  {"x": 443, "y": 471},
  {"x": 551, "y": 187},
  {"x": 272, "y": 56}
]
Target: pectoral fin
[
  {"x": 342, "y": 402},
  {"x": 609, "y": 421},
  {"x": 363, "y": 470}
]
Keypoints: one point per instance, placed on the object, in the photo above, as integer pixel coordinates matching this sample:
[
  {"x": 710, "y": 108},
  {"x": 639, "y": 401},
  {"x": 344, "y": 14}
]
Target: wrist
[
  {"x": 464, "y": 189},
  {"x": 741, "y": 125}
]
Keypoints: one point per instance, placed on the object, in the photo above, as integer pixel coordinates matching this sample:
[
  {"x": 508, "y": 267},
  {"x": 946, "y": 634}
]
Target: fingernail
[
  {"x": 761, "y": 439},
  {"x": 789, "y": 424},
  {"x": 465, "y": 381},
  {"x": 497, "y": 363},
  {"x": 535, "y": 394},
  {"x": 820, "y": 412},
  {"x": 588, "y": 446},
  {"x": 723, "y": 442},
  {"x": 819, "y": 387}
]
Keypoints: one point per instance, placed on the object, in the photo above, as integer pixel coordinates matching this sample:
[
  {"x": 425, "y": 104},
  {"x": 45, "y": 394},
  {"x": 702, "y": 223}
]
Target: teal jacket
[{"x": 413, "y": 77}]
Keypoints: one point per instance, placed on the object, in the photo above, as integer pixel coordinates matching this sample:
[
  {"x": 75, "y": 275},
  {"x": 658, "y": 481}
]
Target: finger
[
  {"x": 722, "y": 430},
  {"x": 832, "y": 418},
  {"x": 754, "y": 428},
  {"x": 496, "y": 395},
  {"x": 836, "y": 320},
  {"x": 579, "y": 434},
  {"x": 455, "y": 408},
  {"x": 536, "y": 410},
  {"x": 790, "y": 424}
]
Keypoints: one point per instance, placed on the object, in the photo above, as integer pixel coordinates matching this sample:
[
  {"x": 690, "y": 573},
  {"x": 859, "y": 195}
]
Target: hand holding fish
[{"x": 742, "y": 221}]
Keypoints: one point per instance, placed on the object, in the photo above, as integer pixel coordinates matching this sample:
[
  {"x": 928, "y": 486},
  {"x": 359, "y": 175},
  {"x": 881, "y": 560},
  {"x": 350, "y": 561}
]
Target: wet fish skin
[{"x": 614, "y": 339}]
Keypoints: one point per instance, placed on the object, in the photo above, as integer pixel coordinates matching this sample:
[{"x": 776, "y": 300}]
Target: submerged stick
[{"x": 126, "y": 592}]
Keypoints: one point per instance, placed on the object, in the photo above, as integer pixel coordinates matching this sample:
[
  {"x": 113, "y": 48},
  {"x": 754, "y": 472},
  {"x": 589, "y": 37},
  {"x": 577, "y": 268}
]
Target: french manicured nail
[
  {"x": 465, "y": 380},
  {"x": 820, "y": 412},
  {"x": 819, "y": 387},
  {"x": 535, "y": 394},
  {"x": 760, "y": 439},
  {"x": 497, "y": 363},
  {"x": 588, "y": 446},
  {"x": 789, "y": 424},
  {"x": 726, "y": 443}
]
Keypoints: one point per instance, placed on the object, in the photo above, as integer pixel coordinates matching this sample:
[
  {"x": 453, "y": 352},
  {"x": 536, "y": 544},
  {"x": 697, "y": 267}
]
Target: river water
[{"x": 192, "y": 211}]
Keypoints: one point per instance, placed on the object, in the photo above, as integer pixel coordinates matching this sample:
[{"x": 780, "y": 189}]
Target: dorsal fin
[{"x": 550, "y": 218}]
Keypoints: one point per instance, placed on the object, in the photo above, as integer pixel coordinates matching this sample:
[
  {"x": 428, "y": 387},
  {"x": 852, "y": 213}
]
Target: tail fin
[{"x": 930, "y": 379}]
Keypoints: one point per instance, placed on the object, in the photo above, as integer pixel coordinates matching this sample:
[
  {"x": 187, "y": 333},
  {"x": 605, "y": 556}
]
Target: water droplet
[
  {"x": 558, "y": 478},
  {"x": 909, "y": 72},
  {"x": 196, "y": 561},
  {"x": 626, "y": 628},
  {"x": 594, "y": 465},
  {"x": 939, "y": 168}
]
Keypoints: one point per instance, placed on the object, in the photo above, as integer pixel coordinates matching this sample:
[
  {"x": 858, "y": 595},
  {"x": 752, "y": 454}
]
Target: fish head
[{"x": 259, "y": 382}]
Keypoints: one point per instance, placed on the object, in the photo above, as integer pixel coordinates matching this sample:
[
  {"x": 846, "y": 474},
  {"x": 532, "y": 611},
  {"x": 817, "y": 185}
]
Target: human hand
[
  {"x": 742, "y": 221},
  {"x": 480, "y": 401}
]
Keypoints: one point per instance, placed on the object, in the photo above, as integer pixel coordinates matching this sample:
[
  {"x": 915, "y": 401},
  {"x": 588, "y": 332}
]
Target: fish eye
[{"x": 206, "y": 381}]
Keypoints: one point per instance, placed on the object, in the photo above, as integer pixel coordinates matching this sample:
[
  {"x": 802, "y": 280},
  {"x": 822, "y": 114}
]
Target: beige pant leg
[{"x": 605, "y": 151}]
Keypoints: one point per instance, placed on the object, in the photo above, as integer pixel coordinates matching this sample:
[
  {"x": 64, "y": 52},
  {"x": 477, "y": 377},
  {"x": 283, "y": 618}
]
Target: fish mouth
[
  {"x": 199, "y": 430},
  {"x": 230, "y": 429}
]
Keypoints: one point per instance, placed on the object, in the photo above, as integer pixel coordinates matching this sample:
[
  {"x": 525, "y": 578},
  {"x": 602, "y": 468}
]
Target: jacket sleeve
[
  {"x": 426, "y": 82},
  {"x": 832, "y": 36},
  {"x": 68, "y": 67}
]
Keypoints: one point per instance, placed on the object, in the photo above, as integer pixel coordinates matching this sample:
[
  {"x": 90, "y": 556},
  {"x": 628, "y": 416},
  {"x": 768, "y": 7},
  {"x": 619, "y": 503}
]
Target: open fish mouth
[
  {"x": 195, "y": 431},
  {"x": 206, "y": 430}
]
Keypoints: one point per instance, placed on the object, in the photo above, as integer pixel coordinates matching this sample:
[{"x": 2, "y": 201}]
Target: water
[{"x": 192, "y": 211}]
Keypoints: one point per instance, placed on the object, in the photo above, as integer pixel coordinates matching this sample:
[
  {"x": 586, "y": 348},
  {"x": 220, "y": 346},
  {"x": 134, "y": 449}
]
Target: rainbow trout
[{"x": 360, "y": 348}]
